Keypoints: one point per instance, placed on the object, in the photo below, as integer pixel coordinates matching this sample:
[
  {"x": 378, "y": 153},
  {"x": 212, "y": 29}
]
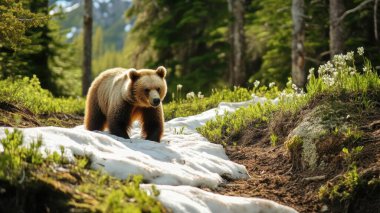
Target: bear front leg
[
  {"x": 119, "y": 121},
  {"x": 153, "y": 123}
]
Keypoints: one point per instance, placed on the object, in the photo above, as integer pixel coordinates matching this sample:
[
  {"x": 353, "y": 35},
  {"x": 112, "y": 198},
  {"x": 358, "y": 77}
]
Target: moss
[
  {"x": 350, "y": 192},
  {"x": 294, "y": 147}
]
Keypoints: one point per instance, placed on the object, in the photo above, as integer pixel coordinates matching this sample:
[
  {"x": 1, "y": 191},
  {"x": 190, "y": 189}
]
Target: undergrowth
[
  {"x": 340, "y": 76},
  {"x": 27, "y": 93},
  {"x": 196, "y": 103},
  {"x": 66, "y": 186}
]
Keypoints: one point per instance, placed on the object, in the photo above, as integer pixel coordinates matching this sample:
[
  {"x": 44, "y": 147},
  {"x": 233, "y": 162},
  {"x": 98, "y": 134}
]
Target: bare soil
[
  {"x": 272, "y": 176},
  {"x": 14, "y": 116},
  {"x": 270, "y": 167}
]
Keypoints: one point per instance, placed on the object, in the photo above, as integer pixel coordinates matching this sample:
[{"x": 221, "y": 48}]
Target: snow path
[{"x": 184, "y": 159}]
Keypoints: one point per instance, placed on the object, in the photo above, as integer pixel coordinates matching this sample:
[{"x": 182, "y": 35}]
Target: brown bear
[{"x": 118, "y": 96}]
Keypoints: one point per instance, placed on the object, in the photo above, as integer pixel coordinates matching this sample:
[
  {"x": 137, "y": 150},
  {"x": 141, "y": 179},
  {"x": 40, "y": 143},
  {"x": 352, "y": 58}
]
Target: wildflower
[
  {"x": 256, "y": 83},
  {"x": 365, "y": 69},
  {"x": 294, "y": 87},
  {"x": 200, "y": 95},
  {"x": 271, "y": 84},
  {"x": 349, "y": 56},
  {"x": 352, "y": 73},
  {"x": 190, "y": 95},
  {"x": 360, "y": 50},
  {"x": 179, "y": 87}
]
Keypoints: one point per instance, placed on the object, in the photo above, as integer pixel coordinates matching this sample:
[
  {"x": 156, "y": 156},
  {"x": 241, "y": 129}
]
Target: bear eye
[
  {"x": 158, "y": 89},
  {"x": 146, "y": 90}
]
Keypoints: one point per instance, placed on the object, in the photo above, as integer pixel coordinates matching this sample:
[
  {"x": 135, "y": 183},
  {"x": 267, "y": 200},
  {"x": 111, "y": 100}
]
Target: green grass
[
  {"x": 196, "y": 103},
  {"x": 340, "y": 76},
  {"x": 66, "y": 186},
  {"x": 27, "y": 93}
]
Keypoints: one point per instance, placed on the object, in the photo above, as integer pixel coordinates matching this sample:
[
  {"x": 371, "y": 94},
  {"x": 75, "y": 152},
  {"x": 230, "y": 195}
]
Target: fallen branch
[{"x": 315, "y": 178}]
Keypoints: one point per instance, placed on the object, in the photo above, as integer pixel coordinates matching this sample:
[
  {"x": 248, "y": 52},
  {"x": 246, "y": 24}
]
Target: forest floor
[
  {"x": 270, "y": 167},
  {"x": 13, "y": 116},
  {"x": 272, "y": 175}
]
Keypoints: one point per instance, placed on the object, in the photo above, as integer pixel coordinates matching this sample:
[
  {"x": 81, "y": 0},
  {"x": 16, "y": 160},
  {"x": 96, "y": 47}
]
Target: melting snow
[{"x": 183, "y": 160}]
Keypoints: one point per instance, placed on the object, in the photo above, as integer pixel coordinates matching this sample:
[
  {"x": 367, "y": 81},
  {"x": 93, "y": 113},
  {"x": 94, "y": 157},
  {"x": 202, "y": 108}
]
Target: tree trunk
[
  {"x": 336, "y": 9},
  {"x": 236, "y": 72},
  {"x": 298, "y": 52},
  {"x": 87, "y": 46}
]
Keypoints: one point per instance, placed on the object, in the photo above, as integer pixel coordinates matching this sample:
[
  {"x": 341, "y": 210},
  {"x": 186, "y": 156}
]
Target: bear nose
[{"x": 156, "y": 101}]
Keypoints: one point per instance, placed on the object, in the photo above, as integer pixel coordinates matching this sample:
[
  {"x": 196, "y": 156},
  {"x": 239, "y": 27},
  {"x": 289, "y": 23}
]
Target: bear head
[{"x": 146, "y": 87}]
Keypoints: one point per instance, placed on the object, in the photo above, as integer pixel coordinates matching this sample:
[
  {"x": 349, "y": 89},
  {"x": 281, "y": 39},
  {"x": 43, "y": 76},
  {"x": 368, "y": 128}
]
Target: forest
[{"x": 272, "y": 100}]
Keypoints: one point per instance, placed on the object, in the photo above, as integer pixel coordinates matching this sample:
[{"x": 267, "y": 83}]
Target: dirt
[
  {"x": 272, "y": 176},
  {"x": 270, "y": 168},
  {"x": 14, "y": 116}
]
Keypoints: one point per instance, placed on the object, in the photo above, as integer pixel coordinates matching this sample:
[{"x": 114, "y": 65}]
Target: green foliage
[
  {"x": 269, "y": 39},
  {"x": 273, "y": 139},
  {"x": 344, "y": 190},
  {"x": 27, "y": 93},
  {"x": 335, "y": 78},
  {"x": 130, "y": 198},
  {"x": 228, "y": 124},
  {"x": 186, "y": 39},
  {"x": 14, "y": 158},
  {"x": 294, "y": 143},
  {"x": 352, "y": 155},
  {"x": 15, "y": 20},
  {"x": 195, "y": 104},
  {"x": 25, "y": 168}
]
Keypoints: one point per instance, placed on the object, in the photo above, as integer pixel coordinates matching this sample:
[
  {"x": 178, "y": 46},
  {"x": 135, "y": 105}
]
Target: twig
[
  {"x": 348, "y": 12},
  {"x": 315, "y": 178}
]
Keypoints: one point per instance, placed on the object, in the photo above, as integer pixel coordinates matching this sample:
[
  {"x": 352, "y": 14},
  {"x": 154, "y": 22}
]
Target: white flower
[
  {"x": 294, "y": 87},
  {"x": 360, "y": 50},
  {"x": 365, "y": 69},
  {"x": 271, "y": 84},
  {"x": 190, "y": 95},
  {"x": 311, "y": 73},
  {"x": 200, "y": 95},
  {"x": 256, "y": 83},
  {"x": 179, "y": 87},
  {"x": 352, "y": 73}
]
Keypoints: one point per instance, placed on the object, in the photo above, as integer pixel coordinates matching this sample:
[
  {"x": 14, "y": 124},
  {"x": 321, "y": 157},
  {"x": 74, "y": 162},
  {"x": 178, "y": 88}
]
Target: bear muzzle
[{"x": 155, "y": 102}]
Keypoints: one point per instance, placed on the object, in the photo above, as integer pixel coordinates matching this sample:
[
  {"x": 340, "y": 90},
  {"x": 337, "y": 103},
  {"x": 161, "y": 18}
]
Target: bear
[{"x": 119, "y": 96}]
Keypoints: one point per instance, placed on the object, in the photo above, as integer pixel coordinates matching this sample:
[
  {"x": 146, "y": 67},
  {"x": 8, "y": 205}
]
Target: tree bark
[
  {"x": 298, "y": 52},
  {"x": 87, "y": 46},
  {"x": 336, "y": 9},
  {"x": 236, "y": 71}
]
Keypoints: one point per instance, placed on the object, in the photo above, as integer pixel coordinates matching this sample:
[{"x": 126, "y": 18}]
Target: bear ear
[
  {"x": 133, "y": 75},
  {"x": 161, "y": 71}
]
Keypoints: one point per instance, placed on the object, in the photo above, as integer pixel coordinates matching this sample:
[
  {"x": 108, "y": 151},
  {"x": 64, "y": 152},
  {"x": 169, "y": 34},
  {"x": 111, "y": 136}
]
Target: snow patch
[{"x": 182, "y": 160}]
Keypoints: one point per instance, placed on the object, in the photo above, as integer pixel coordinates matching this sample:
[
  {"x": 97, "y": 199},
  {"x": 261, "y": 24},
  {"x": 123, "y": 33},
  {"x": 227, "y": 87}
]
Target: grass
[
  {"x": 27, "y": 93},
  {"x": 196, "y": 103},
  {"x": 66, "y": 186},
  {"x": 336, "y": 78}
]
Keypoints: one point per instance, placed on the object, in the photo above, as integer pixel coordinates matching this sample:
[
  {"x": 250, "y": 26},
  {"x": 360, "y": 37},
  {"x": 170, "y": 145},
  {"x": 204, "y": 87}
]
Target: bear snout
[{"x": 156, "y": 102}]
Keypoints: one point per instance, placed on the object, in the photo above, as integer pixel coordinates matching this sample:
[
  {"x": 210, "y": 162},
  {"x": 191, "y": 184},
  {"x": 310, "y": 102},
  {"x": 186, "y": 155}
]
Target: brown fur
[{"x": 117, "y": 97}]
